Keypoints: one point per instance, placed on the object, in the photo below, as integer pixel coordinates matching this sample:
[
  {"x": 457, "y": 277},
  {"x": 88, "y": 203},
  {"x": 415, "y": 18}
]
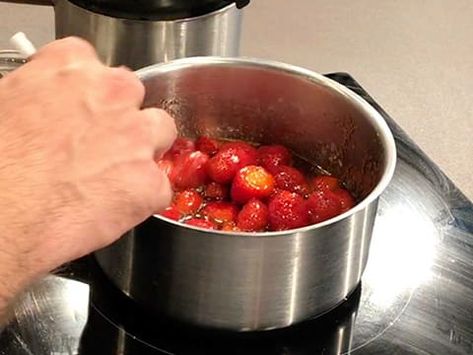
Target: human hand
[{"x": 76, "y": 159}]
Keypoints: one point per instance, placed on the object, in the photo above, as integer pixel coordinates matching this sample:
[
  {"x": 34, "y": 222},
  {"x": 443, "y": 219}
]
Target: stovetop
[{"x": 416, "y": 296}]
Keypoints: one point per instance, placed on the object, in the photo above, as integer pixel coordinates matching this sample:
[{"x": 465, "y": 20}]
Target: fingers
[
  {"x": 161, "y": 129},
  {"x": 123, "y": 86},
  {"x": 161, "y": 198}
]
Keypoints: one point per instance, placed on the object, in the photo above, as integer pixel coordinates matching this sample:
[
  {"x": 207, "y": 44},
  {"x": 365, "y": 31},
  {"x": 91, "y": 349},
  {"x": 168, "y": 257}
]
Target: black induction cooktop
[{"x": 416, "y": 296}]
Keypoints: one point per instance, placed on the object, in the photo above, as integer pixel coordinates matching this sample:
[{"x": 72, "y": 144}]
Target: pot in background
[
  {"x": 143, "y": 38},
  {"x": 9, "y": 61},
  {"x": 139, "y": 33},
  {"x": 267, "y": 280}
]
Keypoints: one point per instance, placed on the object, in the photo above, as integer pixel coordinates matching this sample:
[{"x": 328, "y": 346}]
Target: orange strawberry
[
  {"x": 220, "y": 212},
  {"x": 187, "y": 202},
  {"x": 251, "y": 182}
]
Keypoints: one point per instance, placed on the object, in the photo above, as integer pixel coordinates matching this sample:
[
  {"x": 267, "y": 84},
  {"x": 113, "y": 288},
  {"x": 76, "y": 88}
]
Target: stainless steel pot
[
  {"x": 263, "y": 280},
  {"x": 127, "y": 38},
  {"x": 137, "y": 43}
]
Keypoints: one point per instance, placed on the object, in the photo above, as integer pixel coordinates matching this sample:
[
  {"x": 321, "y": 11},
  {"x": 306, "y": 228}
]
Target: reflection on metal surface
[
  {"x": 9, "y": 61},
  {"x": 137, "y": 43},
  {"x": 50, "y": 318},
  {"x": 403, "y": 257},
  {"x": 416, "y": 295}
]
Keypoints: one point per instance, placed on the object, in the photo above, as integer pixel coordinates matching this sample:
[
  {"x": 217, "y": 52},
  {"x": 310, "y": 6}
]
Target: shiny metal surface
[
  {"x": 258, "y": 281},
  {"x": 416, "y": 293},
  {"x": 137, "y": 43},
  {"x": 10, "y": 60},
  {"x": 51, "y": 320}
]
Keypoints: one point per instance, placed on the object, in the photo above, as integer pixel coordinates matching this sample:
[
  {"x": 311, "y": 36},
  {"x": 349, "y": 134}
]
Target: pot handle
[{"x": 31, "y": 2}]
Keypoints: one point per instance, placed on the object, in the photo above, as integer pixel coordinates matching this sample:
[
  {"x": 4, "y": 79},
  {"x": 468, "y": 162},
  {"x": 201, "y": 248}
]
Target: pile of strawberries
[{"x": 236, "y": 186}]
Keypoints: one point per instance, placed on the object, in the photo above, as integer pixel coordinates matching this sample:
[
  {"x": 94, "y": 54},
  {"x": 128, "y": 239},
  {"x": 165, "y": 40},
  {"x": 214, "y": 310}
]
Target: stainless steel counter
[{"x": 413, "y": 56}]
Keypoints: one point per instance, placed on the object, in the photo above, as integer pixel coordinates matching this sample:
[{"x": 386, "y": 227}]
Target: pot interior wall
[{"x": 263, "y": 105}]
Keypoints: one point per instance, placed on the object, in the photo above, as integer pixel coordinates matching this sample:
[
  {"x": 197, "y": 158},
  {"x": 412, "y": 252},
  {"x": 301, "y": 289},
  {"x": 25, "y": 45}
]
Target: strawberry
[
  {"x": 215, "y": 191},
  {"x": 325, "y": 182},
  {"x": 187, "y": 202},
  {"x": 220, "y": 212},
  {"x": 171, "y": 213},
  {"x": 207, "y": 145},
  {"x": 251, "y": 182},
  {"x": 189, "y": 170},
  {"x": 241, "y": 146},
  {"x": 272, "y": 156},
  {"x": 202, "y": 223},
  {"x": 287, "y": 210},
  {"x": 233, "y": 156},
  {"x": 230, "y": 227},
  {"x": 180, "y": 146},
  {"x": 323, "y": 205},
  {"x": 290, "y": 179},
  {"x": 166, "y": 166},
  {"x": 253, "y": 216},
  {"x": 346, "y": 199}
]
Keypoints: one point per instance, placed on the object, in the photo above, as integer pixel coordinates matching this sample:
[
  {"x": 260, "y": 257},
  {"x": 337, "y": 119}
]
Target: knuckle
[
  {"x": 160, "y": 124},
  {"x": 69, "y": 49},
  {"x": 122, "y": 78},
  {"x": 76, "y": 43}
]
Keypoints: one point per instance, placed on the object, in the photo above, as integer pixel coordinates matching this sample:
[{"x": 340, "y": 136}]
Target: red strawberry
[
  {"x": 287, "y": 210},
  {"x": 290, "y": 179},
  {"x": 325, "y": 182},
  {"x": 220, "y": 212},
  {"x": 215, "y": 191},
  {"x": 230, "y": 227},
  {"x": 187, "y": 201},
  {"x": 207, "y": 145},
  {"x": 253, "y": 217},
  {"x": 272, "y": 156},
  {"x": 323, "y": 205},
  {"x": 202, "y": 223},
  {"x": 189, "y": 170},
  {"x": 346, "y": 199},
  {"x": 166, "y": 166},
  {"x": 180, "y": 146},
  {"x": 241, "y": 146},
  {"x": 232, "y": 157},
  {"x": 171, "y": 213},
  {"x": 251, "y": 182}
]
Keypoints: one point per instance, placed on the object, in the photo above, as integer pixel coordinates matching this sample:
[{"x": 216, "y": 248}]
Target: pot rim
[{"x": 372, "y": 115}]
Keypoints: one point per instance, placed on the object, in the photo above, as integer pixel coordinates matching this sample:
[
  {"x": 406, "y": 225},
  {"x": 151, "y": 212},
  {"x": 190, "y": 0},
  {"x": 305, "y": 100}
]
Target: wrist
[{"x": 15, "y": 274}]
